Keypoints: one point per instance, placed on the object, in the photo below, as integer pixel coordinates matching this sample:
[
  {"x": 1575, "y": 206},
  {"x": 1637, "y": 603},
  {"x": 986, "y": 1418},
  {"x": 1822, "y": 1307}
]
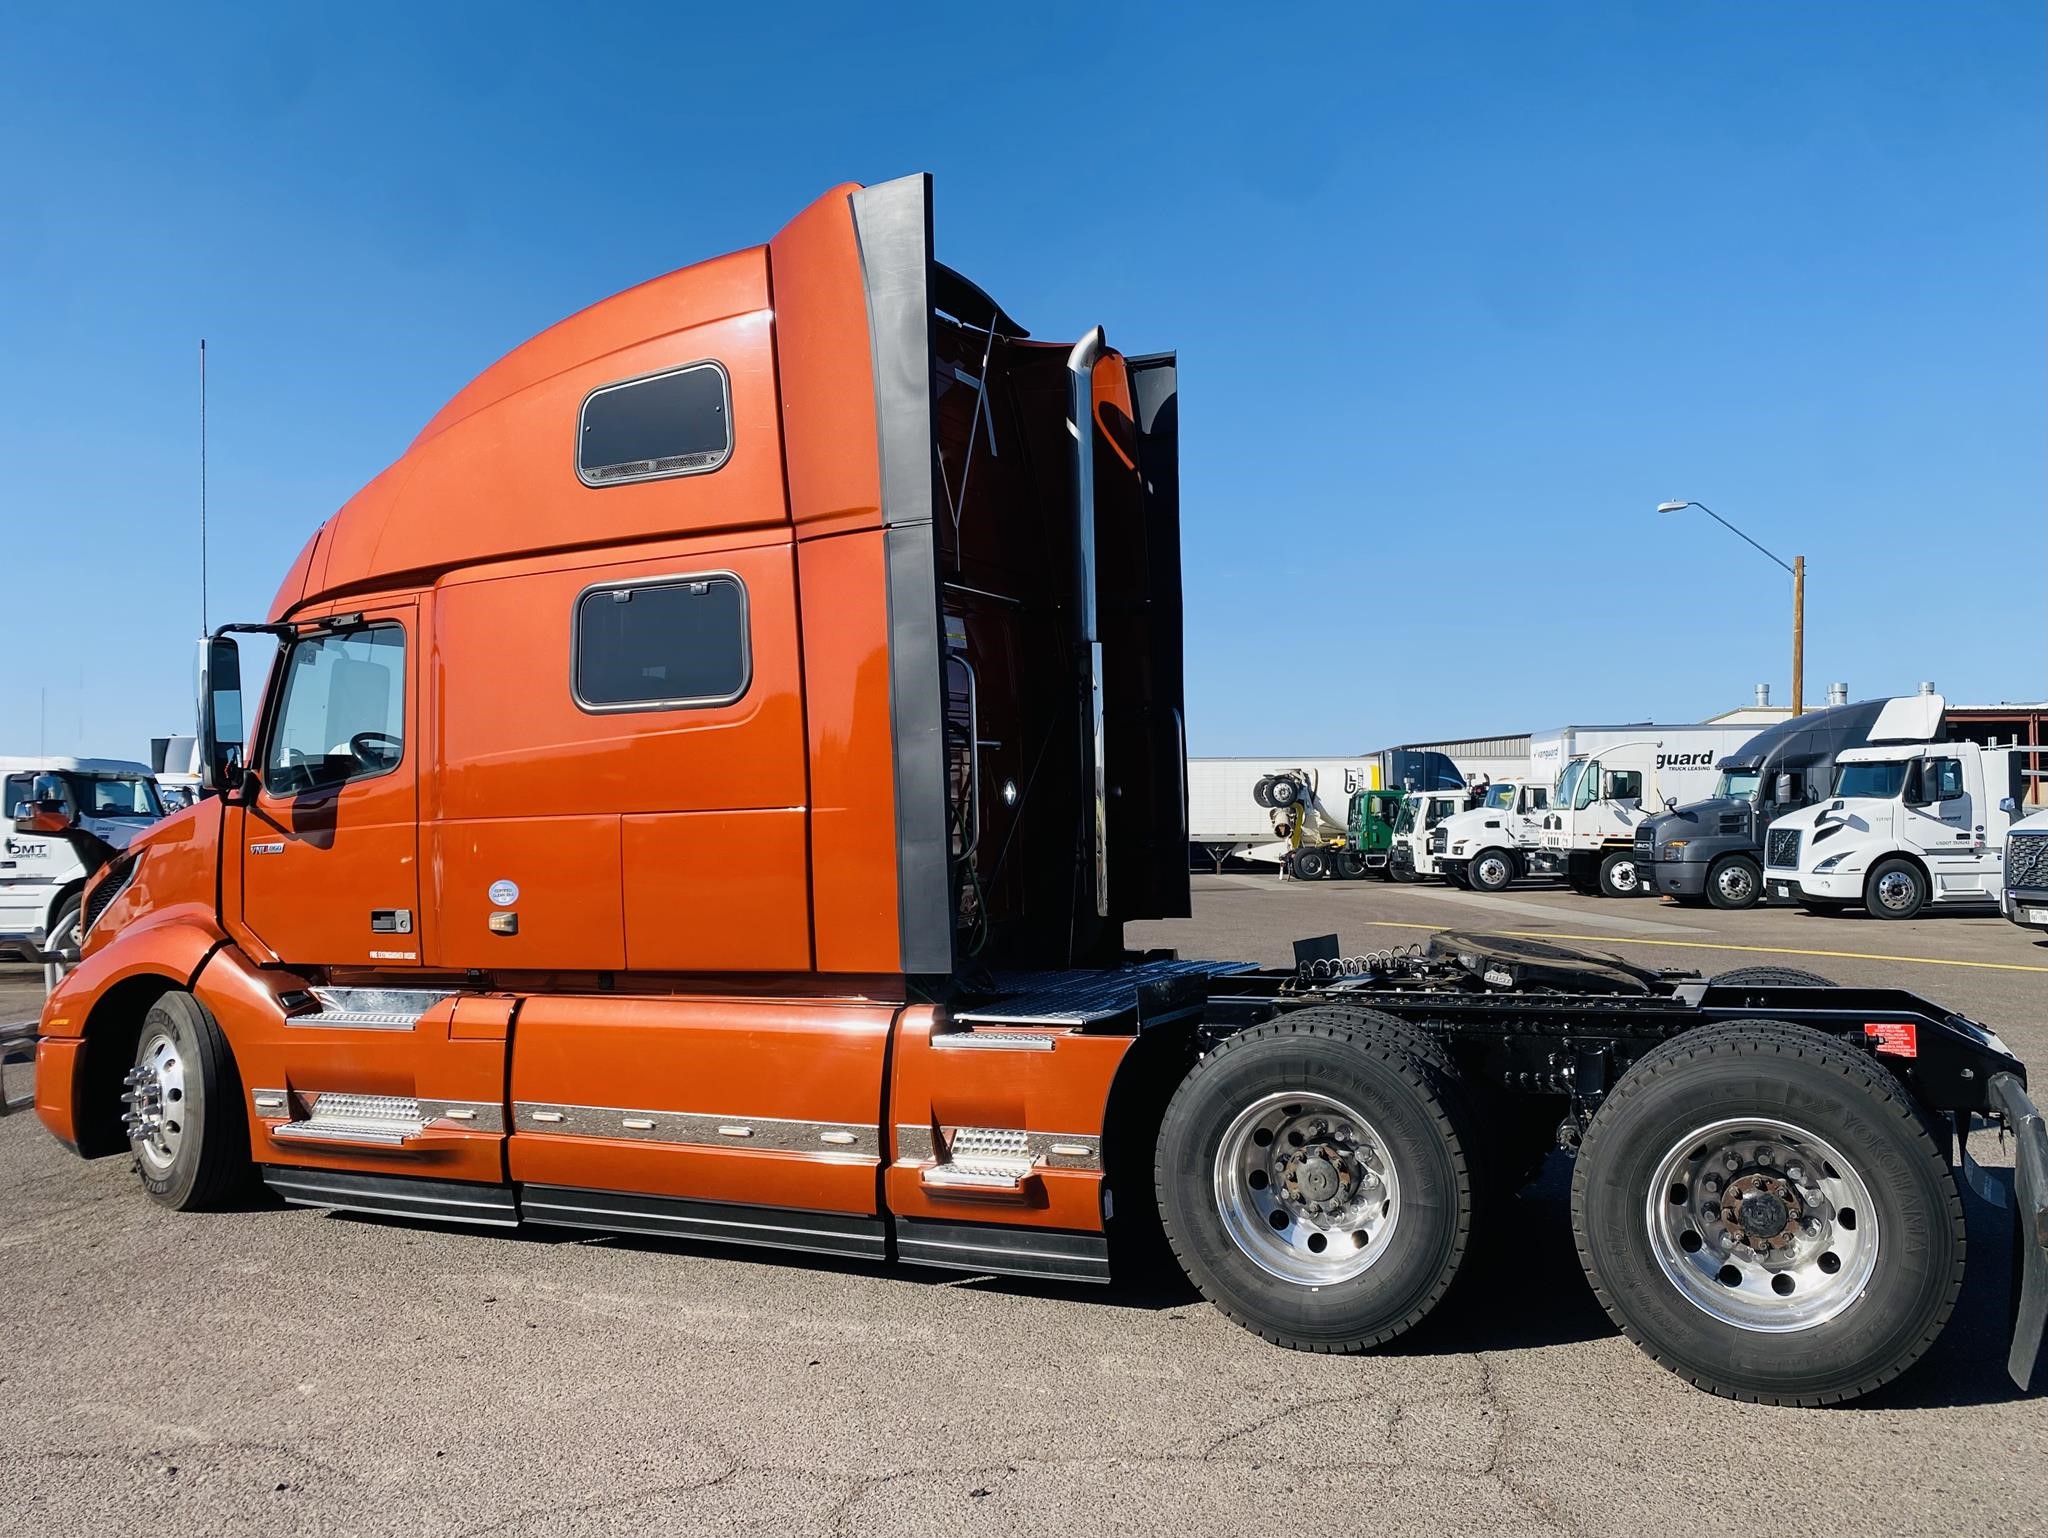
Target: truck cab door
[
  {"x": 329, "y": 846},
  {"x": 1939, "y": 817}
]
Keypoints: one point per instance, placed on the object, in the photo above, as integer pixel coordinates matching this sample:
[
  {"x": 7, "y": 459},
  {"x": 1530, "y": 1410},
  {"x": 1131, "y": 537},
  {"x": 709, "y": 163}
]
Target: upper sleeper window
[
  {"x": 677, "y": 423},
  {"x": 664, "y": 642}
]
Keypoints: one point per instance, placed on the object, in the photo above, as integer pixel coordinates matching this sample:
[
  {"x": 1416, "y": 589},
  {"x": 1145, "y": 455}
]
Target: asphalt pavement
[{"x": 280, "y": 1371}]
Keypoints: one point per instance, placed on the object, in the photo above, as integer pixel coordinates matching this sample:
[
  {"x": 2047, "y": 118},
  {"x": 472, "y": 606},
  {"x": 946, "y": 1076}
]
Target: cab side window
[
  {"x": 1535, "y": 798},
  {"x": 1628, "y": 785},
  {"x": 341, "y": 716},
  {"x": 1941, "y": 779}
]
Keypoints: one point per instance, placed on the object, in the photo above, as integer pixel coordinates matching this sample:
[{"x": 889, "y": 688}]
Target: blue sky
[{"x": 1460, "y": 293}]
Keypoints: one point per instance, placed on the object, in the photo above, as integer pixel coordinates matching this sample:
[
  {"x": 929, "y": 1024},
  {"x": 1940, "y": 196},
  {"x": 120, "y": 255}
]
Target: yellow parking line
[{"x": 1708, "y": 945}]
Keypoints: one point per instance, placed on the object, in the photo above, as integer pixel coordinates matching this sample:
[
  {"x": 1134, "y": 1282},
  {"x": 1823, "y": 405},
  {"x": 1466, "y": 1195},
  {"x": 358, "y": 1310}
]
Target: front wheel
[
  {"x": 1620, "y": 876},
  {"x": 1767, "y": 1213},
  {"x": 1330, "y": 1218},
  {"x": 1350, "y": 865},
  {"x": 1896, "y": 890},
  {"x": 1490, "y": 870},
  {"x": 1735, "y": 883},
  {"x": 1310, "y": 865},
  {"x": 185, "y": 1119}
]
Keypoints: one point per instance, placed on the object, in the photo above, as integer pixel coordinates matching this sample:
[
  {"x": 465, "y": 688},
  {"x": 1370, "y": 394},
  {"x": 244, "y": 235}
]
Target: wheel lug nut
[
  {"x": 1794, "y": 1172},
  {"x": 1732, "y": 1163}
]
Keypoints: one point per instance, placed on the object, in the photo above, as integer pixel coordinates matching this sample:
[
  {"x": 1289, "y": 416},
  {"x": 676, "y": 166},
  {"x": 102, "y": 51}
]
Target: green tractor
[{"x": 1364, "y": 848}]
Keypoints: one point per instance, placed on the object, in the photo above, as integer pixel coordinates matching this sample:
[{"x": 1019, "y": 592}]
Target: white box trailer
[{"x": 1224, "y": 820}]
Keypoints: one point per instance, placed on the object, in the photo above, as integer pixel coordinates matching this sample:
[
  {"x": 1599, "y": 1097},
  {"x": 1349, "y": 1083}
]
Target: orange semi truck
[{"x": 701, "y": 788}]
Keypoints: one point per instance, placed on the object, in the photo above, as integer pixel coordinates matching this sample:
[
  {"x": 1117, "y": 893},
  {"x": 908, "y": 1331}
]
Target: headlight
[
  {"x": 1672, "y": 846},
  {"x": 1831, "y": 862},
  {"x": 1459, "y": 847}
]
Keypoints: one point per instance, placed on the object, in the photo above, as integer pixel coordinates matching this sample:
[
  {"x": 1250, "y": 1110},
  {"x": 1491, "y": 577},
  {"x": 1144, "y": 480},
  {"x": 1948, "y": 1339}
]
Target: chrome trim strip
[
  {"x": 915, "y": 1145},
  {"x": 272, "y": 1104},
  {"x": 463, "y": 1115},
  {"x": 820, "y": 1139},
  {"x": 990, "y": 1041}
]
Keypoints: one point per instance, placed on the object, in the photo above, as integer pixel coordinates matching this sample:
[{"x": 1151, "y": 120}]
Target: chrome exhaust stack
[{"x": 1087, "y": 633}]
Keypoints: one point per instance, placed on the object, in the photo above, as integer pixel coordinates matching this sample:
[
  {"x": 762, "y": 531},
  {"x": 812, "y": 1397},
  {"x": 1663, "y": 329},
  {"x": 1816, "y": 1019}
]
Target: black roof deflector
[{"x": 963, "y": 299}]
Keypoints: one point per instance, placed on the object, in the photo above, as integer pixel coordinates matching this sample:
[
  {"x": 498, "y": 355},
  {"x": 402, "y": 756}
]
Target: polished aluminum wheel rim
[
  {"x": 1623, "y": 874},
  {"x": 1307, "y": 1188},
  {"x": 1895, "y": 889},
  {"x": 156, "y": 1102},
  {"x": 1492, "y": 871},
  {"x": 1735, "y": 883},
  {"x": 1762, "y": 1225}
]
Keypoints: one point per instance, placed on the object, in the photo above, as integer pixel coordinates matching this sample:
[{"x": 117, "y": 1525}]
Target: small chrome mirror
[{"x": 2008, "y": 806}]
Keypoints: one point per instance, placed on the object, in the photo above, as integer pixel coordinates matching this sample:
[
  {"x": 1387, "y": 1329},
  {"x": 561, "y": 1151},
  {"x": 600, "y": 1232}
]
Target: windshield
[
  {"x": 115, "y": 796},
  {"x": 1879, "y": 781},
  {"x": 1406, "y": 823},
  {"x": 1499, "y": 799},
  {"x": 1567, "y": 782},
  {"x": 1737, "y": 784}
]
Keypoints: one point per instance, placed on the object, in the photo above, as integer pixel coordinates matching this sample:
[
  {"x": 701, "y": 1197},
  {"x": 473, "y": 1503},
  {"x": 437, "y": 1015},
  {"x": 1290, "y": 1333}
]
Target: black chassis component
[{"x": 1546, "y": 1040}]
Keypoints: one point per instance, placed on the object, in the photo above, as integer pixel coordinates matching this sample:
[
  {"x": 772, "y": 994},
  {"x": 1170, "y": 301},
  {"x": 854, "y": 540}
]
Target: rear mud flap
[{"x": 2029, "y": 1201}]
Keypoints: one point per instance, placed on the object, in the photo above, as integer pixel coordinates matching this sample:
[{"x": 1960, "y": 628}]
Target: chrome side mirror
[{"x": 2007, "y": 805}]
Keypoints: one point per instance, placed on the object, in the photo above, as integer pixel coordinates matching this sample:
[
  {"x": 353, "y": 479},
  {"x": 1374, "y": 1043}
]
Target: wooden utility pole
[{"x": 1798, "y": 634}]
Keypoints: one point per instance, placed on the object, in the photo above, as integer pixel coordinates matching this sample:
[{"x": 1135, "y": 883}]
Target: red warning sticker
[{"x": 1894, "y": 1038}]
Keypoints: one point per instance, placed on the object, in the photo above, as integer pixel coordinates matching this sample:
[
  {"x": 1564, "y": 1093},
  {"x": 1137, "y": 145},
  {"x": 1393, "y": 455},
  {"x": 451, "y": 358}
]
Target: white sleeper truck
[
  {"x": 64, "y": 818},
  {"x": 1488, "y": 847},
  {"x": 1908, "y": 827}
]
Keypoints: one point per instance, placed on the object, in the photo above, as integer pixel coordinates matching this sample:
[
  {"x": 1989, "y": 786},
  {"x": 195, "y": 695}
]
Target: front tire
[
  {"x": 1316, "y": 1178},
  {"x": 187, "y": 1125},
  {"x": 1490, "y": 870},
  {"x": 1735, "y": 883},
  {"x": 1310, "y": 865},
  {"x": 1896, "y": 890},
  {"x": 1350, "y": 865},
  {"x": 1620, "y": 876},
  {"x": 1766, "y": 1211}
]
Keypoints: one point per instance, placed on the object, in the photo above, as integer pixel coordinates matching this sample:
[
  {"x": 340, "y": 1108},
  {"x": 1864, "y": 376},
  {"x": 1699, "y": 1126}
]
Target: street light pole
[{"x": 1798, "y": 571}]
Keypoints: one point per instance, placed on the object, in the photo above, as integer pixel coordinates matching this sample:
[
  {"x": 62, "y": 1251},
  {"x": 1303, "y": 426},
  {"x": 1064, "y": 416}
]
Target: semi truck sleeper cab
[{"x": 701, "y": 788}]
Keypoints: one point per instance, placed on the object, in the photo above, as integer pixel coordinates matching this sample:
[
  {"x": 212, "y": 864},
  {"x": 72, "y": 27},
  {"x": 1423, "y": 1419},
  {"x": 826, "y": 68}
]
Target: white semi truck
[
  {"x": 64, "y": 819},
  {"x": 1608, "y": 784},
  {"x": 2024, "y": 899},
  {"x": 1489, "y": 846},
  {"x": 1908, "y": 827}
]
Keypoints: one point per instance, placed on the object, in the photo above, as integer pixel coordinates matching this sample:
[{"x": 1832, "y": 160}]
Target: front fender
[{"x": 172, "y": 949}]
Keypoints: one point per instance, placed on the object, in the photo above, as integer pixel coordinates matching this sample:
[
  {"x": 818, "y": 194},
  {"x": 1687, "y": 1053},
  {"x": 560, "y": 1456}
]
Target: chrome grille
[
  {"x": 2026, "y": 860},
  {"x": 1781, "y": 847}
]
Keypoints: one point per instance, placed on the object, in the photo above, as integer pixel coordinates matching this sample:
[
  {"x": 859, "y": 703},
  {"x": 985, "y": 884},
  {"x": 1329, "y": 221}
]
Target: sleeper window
[
  {"x": 678, "y": 423},
  {"x": 675, "y": 641}
]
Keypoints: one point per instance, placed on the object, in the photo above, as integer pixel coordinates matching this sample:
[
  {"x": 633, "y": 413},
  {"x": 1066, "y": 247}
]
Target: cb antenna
[{"x": 202, "y": 487}]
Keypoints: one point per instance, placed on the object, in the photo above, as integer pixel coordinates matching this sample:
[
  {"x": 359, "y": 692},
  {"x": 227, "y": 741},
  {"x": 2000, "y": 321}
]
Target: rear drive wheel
[
  {"x": 185, "y": 1119},
  {"x": 1734, "y": 882},
  {"x": 1327, "y": 1218},
  {"x": 1767, "y": 1212},
  {"x": 1896, "y": 890},
  {"x": 1490, "y": 870},
  {"x": 1284, "y": 790},
  {"x": 62, "y": 942},
  {"x": 1310, "y": 864},
  {"x": 1620, "y": 876},
  {"x": 1350, "y": 864}
]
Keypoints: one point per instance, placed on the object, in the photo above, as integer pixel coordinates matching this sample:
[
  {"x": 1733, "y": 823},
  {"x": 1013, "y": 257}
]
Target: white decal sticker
[
  {"x": 266, "y": 849},
  {"x": 504, "y": 893},
  {"x": 394, "y": 955}
]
